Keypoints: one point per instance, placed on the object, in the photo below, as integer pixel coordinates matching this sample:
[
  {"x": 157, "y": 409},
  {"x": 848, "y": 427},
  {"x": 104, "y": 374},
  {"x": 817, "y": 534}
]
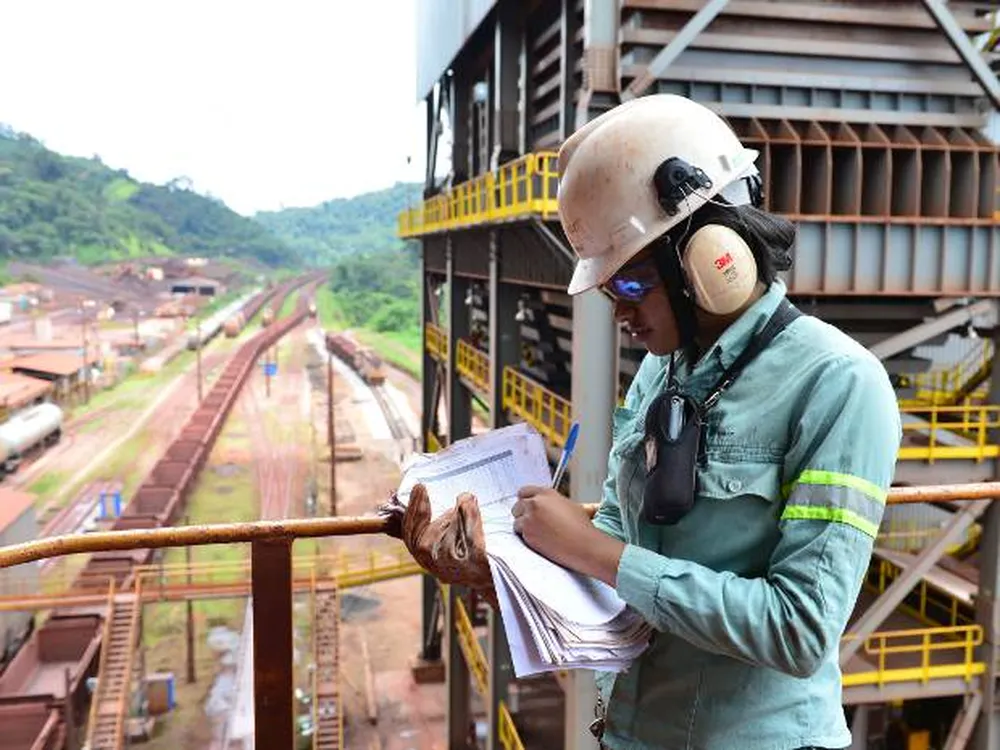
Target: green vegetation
[
  {"x": 345, "y": 226},
  {"x": 56, "y": 206}
]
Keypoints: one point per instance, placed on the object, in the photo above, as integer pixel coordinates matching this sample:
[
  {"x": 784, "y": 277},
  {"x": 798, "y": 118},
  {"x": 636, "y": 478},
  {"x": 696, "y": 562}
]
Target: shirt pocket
[{"x": 722, "y": 481}]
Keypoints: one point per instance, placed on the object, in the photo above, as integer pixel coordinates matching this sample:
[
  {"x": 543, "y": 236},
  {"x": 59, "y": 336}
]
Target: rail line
[{"x": 79, "y": 634}]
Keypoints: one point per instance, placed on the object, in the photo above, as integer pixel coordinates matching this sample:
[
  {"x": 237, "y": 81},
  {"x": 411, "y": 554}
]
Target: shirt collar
[{"x": 737, "y": 336}]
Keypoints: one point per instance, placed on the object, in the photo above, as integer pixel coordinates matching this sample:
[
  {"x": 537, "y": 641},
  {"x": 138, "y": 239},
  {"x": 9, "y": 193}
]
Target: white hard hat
[{"x": 610, "y": 204}]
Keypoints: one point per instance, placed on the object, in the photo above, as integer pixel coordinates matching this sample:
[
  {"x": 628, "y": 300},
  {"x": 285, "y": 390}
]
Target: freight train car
[
  {"x": 359, "y": 358},
  {"x": 28, "y": 431},
  {"x": 18, "y": 524}
]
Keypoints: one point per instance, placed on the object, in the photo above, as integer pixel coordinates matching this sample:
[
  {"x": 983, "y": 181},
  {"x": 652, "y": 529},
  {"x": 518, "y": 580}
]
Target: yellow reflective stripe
[
  {"x": 838, "y": 515},
  {"x": 835, "y": 479}
]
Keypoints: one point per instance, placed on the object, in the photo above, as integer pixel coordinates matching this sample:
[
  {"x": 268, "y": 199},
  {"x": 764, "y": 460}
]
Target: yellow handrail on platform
[
  {"x": 950, "y": 432},
  {"x": 942, "y": 387},
  {"x": 934, "y": 607},
  {"x": 437, "y": 341},
  {"x": 474, "y": 365},
  {"x": 547, "y": 412},
  {"x": 519, "y": 189},
  {"x": 924, "y": 642}
]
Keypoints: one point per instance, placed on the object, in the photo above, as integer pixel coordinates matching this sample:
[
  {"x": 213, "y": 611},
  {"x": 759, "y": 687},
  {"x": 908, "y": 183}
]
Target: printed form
[{"x": 554, "y": 618}]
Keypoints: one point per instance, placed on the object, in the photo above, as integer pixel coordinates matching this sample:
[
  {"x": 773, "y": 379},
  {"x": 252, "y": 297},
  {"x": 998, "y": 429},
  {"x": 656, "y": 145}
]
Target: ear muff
[{"x": 720, "y": 269}]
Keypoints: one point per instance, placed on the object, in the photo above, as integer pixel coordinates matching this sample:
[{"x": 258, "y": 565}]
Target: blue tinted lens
[{"x": 629, "y": 289}]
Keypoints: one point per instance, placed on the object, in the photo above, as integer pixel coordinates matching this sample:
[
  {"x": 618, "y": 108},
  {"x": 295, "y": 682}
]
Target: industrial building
[{"x": 872, "y": 122}]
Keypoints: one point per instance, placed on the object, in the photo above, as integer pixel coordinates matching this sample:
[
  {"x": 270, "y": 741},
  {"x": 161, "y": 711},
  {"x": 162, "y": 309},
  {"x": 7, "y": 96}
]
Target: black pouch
[
  {"x": 674, "y": 426},
  {"x": 673, "y": 446}
]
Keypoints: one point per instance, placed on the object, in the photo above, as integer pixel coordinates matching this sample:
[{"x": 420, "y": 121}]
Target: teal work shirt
[{"x": 750, "y": 593}]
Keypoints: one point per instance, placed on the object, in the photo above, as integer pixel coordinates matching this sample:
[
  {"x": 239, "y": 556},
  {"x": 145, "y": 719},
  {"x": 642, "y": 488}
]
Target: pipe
[{"x": 253, "y": 531}]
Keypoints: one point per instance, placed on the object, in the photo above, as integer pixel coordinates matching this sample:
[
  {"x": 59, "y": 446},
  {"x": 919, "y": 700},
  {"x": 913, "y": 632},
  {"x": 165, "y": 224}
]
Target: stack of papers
[{"x": 554, "y": 618}]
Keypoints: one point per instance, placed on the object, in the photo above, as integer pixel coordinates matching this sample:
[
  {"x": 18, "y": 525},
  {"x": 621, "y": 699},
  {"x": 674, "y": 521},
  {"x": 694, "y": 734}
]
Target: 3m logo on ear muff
[{"x": 723, "y": 260}]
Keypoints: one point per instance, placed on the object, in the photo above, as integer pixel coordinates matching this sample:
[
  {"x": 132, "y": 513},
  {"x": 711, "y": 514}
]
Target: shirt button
[{"x": 734, "y": 485}]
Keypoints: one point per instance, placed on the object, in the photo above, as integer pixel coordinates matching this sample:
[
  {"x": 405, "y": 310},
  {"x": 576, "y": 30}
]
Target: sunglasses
[{"x": 633, "y": 282}]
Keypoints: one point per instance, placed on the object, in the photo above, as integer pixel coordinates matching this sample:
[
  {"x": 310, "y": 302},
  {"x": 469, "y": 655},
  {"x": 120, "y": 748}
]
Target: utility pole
[
  {"x": 198, "y": 357},
  {"x": 191, "y": 675},
  {"x": 86, "y": 358},
  {"x": 135, "y": 328},
  {"x": 330, "y": 437}
]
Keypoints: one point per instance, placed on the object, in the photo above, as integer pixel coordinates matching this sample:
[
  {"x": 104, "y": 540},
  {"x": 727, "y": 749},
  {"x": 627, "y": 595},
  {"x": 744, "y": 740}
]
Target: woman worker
[{"x": 751, "y": 458}]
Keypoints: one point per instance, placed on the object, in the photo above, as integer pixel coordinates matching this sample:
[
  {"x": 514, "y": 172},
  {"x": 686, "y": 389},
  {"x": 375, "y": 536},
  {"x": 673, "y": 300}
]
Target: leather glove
[{"x": 452, "y": 548}]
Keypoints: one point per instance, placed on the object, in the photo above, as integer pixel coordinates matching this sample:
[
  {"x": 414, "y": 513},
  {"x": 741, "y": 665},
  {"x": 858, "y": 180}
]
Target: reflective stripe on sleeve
[{"x": 840, "y": 498}]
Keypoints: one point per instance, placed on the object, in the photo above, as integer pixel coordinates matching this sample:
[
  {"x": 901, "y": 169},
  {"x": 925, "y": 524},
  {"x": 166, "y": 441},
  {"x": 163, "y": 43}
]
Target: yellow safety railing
[
  {"x": 926, "y": 602},
  {"x": 519, "y": 189},
  {"x": 437, "y": 342},
  {"x": 550, "y": 414},
  {"x": 943, "y": 387},
  {"x": 479, "y": 668},
  {"x": 950, "y": 432},
  {"x": 890, "y": 649},
  {"x": 474, "y": 365}
]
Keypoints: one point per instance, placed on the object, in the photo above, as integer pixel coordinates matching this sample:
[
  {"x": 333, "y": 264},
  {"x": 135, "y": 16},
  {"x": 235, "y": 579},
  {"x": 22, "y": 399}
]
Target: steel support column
[
  {"x": 271, "y": 575},
  {"x": 457, "y": 682},
  {"x": 458, "y": 100},
  {"x": 567, "y": 65},
  {"x": 669, "y": 54},
  {"x": 600, "y": 60},
  {"x": 593, "y": 394},
  {"x": 506, "y": 79},
  {"x": 459, "y": 399},
  {"x": 503, "y": 352}
]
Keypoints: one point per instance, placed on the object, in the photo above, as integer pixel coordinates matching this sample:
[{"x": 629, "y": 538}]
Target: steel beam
[
  {"x": 965, "y": 49},
  {"x": 908, "y": 578},
  {"x": 593, "y": 393},
  {"x": 931, "y": 328},
  {"x": 503, "y": 351},
  {"x": 666, "y": 56},
  {"x": 457, "y": 678},
  {"x": 459, "y": 399},
  {"x": 567, "y": 64},
  {"x": 965, "y": 720},
  {"x": 508, "y": 34}
]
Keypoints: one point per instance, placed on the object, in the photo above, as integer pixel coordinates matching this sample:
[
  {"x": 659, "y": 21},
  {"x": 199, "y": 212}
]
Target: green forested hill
[
  {"x": 53, "y": 205},
  {"x": 344, "y": 226}
]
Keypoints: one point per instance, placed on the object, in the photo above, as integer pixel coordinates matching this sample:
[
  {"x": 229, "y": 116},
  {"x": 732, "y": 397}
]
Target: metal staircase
[
  {"x": 328, "y": 730},
  {"x": 109, "y": 706}
]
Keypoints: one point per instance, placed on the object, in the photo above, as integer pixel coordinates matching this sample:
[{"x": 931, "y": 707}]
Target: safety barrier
[
  {"x": 480, "y": 670},
  {"x": 928, "y": 603},
  {"x": 546, "y": 411},
  {"x": 966, "y": 380},
  {"x": 949, "y": 432},
  {"x": 473, "y": 365},
  {"x": 437, "y": 341},
  {"x": 886, "y": 647},
  {"x": 520, "y": 189}
]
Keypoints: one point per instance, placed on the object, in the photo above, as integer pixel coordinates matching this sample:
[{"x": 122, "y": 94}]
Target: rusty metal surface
[
  {"x": 254, "y": 531},
  {"x": 271, "y": 572}
]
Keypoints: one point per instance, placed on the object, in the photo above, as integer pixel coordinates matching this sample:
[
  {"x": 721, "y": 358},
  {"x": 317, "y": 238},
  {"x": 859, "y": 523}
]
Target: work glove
[{"x": 452, "y": 548}]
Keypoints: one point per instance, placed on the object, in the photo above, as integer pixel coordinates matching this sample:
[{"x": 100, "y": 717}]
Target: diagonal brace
[
  {"x": 666, "y": 56},
  {"x": 902, "y": 586},
  {"x": 965, "y": 49}
]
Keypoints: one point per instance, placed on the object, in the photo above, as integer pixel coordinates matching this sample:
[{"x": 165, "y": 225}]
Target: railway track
[{"x": 158, "y": 501}]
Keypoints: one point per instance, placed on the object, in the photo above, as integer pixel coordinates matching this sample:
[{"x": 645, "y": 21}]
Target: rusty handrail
[{"x": 252, "y": 531}]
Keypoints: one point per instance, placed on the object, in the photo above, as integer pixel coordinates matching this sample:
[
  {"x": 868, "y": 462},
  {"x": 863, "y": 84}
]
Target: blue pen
[{"x": 567, "y": 452}]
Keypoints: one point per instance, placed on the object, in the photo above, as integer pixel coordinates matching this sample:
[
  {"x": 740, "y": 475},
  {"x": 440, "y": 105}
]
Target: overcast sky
[{"x": 262, "y": 103}]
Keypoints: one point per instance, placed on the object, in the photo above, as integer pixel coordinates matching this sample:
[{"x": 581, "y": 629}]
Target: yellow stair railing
[
  {"x": 547, "y": 412},
  {"x": 474, "y": 365},
  {"x": 519, "y": 189},
  {"x": 882, "y": 648},
  {"x": 947, "y": 386},
  {"x": 927, "y": 602},
  {"x": 950, "y": 432}
]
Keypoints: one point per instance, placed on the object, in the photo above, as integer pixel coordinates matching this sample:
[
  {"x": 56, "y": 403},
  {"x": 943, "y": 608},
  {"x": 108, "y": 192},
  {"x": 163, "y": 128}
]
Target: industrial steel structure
[{"x": 871, "y": 119}]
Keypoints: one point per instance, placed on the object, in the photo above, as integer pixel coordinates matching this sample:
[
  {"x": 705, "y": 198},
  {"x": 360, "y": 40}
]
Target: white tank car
[{"x": 34, "y": 427}]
